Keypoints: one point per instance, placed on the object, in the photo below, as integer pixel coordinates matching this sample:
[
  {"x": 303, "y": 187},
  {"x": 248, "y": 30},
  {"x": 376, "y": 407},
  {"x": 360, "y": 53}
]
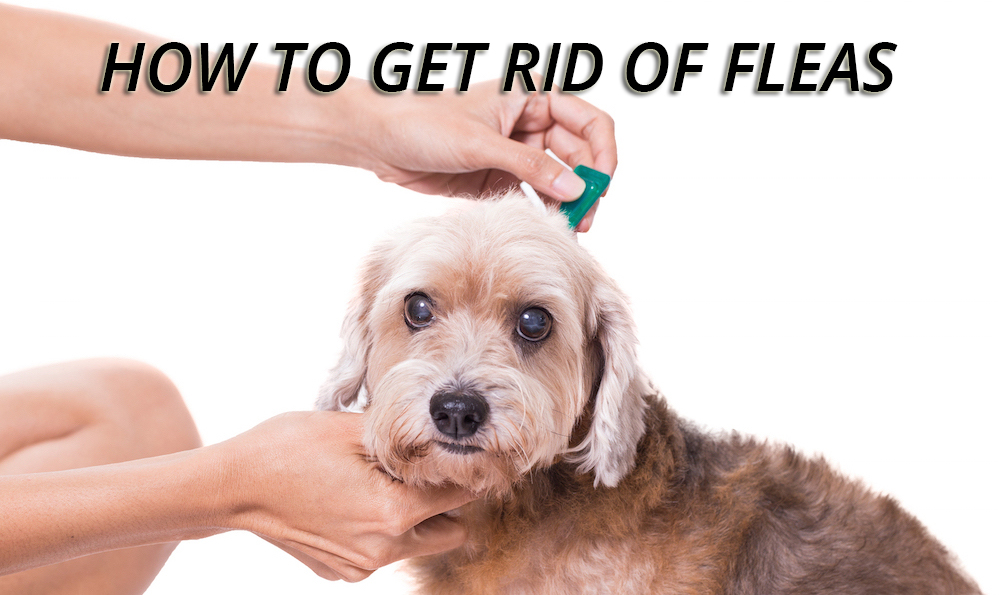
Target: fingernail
[{"x": 568, "y": 186}]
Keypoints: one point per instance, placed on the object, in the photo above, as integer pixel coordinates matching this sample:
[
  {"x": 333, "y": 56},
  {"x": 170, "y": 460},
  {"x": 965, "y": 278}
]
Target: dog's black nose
[{"x": 458, "y": 415}]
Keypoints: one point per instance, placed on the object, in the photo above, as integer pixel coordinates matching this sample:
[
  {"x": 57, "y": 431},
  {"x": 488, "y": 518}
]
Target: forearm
[
  {"x": 51, "y": 68},
  {"x": 51, "y": 517},
  {"x": 476, "y": 142}
]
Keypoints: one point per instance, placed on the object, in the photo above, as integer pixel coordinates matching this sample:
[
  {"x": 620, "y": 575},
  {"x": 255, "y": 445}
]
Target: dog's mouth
[{"x": 459, "y": 449}]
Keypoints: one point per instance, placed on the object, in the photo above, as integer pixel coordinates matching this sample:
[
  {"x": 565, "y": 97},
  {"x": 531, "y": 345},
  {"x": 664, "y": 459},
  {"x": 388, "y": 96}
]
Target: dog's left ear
[
  {"x": 608, "y": 449},
  {"x": 341, "y": 390}
]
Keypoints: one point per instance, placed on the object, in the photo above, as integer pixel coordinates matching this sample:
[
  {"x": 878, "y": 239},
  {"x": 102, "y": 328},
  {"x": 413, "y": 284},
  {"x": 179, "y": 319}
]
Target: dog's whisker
[
  {"x": 521, "y": 394},
  {"x": 497, "y": 448},
  {"x": 521, "y": 451}
]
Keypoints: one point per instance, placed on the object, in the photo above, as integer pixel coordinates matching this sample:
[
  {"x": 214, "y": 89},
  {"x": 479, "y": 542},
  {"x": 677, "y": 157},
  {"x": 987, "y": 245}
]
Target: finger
[
  {"x": 423, "y": 503},
  {"x": 589, "y": 123},
  {"x": 570, "y": 148},
  {"x": 532, "y": 165},
  {"x": 433, "y": 536},
  {"x": 336, "y": 570},
  {"x": 534, "y": 139},
  {"x": 587, "y": 221}
]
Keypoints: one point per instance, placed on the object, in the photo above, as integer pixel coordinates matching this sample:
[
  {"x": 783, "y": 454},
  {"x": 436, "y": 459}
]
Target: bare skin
[
  {"x": 101, "y": 468},
  {"x": 479, "y": 141},
  {"x": 299, "y": 480},
  {"x": 78, "y": 415}
]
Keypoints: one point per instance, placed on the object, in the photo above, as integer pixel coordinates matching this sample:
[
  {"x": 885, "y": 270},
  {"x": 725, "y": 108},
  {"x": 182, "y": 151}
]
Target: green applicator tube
[{"x": 596, "y": 184}]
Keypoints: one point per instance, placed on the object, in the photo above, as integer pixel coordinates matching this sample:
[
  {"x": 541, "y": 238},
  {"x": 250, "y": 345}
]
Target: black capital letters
[
  {"x": 430, "y": 66},
  {"x": 524, "y": 69},
  {"x": 846, "y": 52},
  {"x": 629, "y": 70},
  {"x": 401, "y": 69},
  {"x": 131, "y": 67},
  {"x": 185, "y": 66},
  {"x": 872, "y": 56},
  {"x": 733, "y": 62},
  {"x": 466, "y": 70},
  {"x": 225, "y": 57},
  {"x": 762, "y": 84},
  {"x": 289, "y": 50},
  {"x": 570, "y": 67},
  {"x": 552, "y": 67},
  {"x": 800, "y": 66},
  {"x": 683, "y": 68},
  {"x": 314, "y": 67}
]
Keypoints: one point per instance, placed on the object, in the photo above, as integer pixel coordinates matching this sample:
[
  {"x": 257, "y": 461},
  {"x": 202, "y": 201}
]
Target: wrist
[
  {"x": 224, "y": 487},
  {"x": 328, "y": 127},
  {"x": 353, "y": 117},
  {"x": 180, "y": 496}
]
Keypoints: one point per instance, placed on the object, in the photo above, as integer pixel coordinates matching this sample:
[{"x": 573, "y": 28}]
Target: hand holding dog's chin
[{"x": 302, "y": 482}]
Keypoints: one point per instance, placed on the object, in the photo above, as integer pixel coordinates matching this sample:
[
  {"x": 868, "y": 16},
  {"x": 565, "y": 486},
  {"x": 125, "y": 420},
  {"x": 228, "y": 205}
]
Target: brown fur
[
  {"x": 593, "y": 484},
  {"x": 700, "y": 514}
]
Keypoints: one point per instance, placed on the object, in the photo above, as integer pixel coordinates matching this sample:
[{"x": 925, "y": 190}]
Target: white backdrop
[{"x": 820, "y": 269}]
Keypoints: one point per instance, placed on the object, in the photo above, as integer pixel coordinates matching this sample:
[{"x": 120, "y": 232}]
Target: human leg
[{"x": 86, "y": 413}]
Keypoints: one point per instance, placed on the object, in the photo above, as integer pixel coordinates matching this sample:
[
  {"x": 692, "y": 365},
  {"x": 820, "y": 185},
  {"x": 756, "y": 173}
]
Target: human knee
[{"x": 140, "y": 398}]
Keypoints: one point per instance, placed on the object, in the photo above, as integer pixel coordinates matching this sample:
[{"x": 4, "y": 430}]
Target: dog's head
[{"x": 486, "y": 343}]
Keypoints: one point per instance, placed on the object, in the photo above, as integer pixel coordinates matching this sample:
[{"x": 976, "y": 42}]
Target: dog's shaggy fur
[{"x": 593, "y": 484}]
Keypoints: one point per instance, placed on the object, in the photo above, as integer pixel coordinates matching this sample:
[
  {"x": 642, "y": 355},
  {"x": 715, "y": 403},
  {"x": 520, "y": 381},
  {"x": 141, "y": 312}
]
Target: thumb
[
  {"x": 535, "y": 167},
  {"x": 433, "y": 536},
  {"x": 422, "y": 503}
]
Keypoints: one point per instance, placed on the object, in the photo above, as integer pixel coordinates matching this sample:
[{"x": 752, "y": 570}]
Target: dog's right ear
[{"x": 341, "y": 390}]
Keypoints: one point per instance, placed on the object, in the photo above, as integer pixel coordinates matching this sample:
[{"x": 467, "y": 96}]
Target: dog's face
[{"x": 485, "y": 343}]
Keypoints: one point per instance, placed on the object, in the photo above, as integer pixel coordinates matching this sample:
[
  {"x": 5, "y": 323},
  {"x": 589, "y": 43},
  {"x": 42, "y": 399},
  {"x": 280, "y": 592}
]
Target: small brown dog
[{"x": 491, "y": 351}]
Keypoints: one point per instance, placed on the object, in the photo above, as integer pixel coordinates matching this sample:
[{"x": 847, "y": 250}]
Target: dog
[{"x": 489, "y": 350}]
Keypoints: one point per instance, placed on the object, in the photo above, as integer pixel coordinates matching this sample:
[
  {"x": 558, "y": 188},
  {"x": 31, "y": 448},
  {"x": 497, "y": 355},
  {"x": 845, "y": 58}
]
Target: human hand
[
  {"x": 479, "y": 141},
  {"x": 302, "y": 482},
  {"x": 486, "y": 140}
]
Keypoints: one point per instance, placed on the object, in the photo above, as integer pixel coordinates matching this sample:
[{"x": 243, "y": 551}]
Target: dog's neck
[
  {"x": 543, "y": 496},
  {"x": 558, "y": 503}
]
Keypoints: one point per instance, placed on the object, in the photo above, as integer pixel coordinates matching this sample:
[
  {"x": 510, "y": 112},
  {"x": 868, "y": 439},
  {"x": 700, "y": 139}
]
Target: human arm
[
  {"x": 299, "y": 480},
  {"x": 51, "y": 65}
]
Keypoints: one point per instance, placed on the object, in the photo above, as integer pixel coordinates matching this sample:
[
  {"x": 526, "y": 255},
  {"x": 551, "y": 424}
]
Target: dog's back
[
  {"x": 698, "y": 514},
  {"x": 792, "y": 524}
]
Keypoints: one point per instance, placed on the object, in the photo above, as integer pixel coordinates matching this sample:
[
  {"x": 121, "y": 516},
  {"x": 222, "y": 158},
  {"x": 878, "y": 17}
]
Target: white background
[{"x": 819, "y": 269}]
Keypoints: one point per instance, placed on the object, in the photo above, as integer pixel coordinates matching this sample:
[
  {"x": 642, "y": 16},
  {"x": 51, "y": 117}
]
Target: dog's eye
[
  {"x": 534, "y": 324},
  {"x": 418, "y": 313}
]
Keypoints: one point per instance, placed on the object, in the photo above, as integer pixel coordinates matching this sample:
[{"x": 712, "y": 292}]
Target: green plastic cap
[{"x": 596, "y": 184}]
